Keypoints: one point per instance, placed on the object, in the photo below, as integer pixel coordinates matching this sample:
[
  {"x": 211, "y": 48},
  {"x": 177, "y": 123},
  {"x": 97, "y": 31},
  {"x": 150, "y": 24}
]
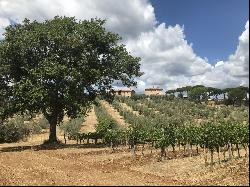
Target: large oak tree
[{"x": 59, "y": 66}]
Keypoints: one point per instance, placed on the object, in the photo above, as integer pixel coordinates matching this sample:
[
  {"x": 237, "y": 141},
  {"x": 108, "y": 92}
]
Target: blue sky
[
  {"x": 213, "y": 26},
  {"x": 153, "y": 30}
]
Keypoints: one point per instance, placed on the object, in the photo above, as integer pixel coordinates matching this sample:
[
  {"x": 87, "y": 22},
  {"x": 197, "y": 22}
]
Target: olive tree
[{"x": 59, "y": 66}]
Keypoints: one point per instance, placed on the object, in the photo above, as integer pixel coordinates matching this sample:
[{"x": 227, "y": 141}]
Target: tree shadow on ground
[{"x": 50, "y": 147}]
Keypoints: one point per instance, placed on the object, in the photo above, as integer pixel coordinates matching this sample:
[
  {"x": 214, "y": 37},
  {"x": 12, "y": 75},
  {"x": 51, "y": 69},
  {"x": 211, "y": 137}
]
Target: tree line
[{"x": 199, "y": 93}]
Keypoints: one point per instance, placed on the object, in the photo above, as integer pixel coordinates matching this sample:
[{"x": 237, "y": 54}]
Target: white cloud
[
  {"x": 238, "y": 63},
  {"x": 170, "y": 62},
  {"x": 167, "y": 58},
  {"x": 233, "y": 72},
  {"x": 219, "y": 63},
  {"x": 127, "y": 18}
]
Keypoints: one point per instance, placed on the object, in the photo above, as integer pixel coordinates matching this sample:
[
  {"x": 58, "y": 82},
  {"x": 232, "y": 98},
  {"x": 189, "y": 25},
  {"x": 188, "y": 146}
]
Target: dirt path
[
  {"x": 115, "y": 114},
  {"x": 90, "y": 122}
]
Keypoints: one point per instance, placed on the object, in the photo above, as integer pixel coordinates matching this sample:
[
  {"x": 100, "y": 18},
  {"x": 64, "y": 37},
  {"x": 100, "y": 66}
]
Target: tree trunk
[
  {"x": 205, "y": 155},
  {"x": 111, "y": 145},
  {"x": 133, "y": 147},
  {"x": 219, "y": 154},
  {"x": 224, "y": 153},
  {"x": 151, "y": 148},
  {"x": 190, "y": 151},
  {"x": 142, "y": 149},
  {"x": 173, "y": 146},
  {"x": 162, "y": 153},
  {"x": 238, "y": 149},
  {"x": 64, "y": 136},
  {"x": 230, "y": 151},
  {"x": 245, "y": 147},
  {"x": 133, "y": 150},
  {"x": 197, "y": 150},
  {"x": 52, "y": 132},
  {"x": 212, "y": 157}
]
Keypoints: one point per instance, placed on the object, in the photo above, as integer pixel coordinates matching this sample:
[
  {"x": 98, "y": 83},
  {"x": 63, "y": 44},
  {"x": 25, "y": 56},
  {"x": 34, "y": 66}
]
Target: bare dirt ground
[
  {"x": 115, "y": 114},
  {"x": 28, "y": 163},
  {"x": 90, "y": 122}
]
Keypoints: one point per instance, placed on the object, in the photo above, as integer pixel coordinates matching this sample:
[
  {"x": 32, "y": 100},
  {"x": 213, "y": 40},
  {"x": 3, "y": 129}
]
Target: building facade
[
  {"x": 124, "y": 92},
  {"x": 154, "y": 91}
]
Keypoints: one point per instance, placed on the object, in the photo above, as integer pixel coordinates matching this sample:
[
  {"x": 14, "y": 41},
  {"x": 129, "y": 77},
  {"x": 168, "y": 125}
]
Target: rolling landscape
[
  {"x": 98, "y": 163},
  {"x": 124, "y": 93}
]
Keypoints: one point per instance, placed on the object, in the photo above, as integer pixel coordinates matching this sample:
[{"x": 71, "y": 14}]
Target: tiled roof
[
  {"x": 147, "y": 89},
  {"x": 123, "y": 90}
]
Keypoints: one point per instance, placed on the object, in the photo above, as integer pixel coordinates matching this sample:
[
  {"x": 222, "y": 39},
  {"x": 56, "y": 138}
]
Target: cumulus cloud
[
  {"x": 170, "y": 62},
  {"x": 219, "y": 63},
  {"x": 167, "y": 58},
  {"x": 233, "y": 72},
  {"x": 238, "y": 63},
  {"x": 128, "y": 18}
]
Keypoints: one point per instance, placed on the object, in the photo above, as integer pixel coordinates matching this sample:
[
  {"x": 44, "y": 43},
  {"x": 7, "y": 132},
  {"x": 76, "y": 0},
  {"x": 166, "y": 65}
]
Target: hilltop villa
[
  {"x": 124, "y": 92},
  {"x": 154, "y": 91}
]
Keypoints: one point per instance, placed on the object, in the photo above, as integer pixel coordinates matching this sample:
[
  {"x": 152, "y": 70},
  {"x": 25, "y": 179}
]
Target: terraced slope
[
  {"x": 90, "y": 122},
  {"x": 114, "y": 114}
]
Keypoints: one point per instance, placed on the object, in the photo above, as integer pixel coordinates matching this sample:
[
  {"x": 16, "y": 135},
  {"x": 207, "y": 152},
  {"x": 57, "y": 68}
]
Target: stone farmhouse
[
  {"x": 124, "y": 92},
  {"x": 154, "y": 91}
]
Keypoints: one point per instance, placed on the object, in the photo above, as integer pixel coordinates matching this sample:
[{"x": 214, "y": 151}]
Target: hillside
[{"x": 30, "y": 163}]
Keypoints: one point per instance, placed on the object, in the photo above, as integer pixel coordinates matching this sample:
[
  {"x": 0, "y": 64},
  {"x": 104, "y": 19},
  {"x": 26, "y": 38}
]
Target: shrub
[
  {"x": 72, "y": 126},
  {"x": 43, "y": 123},
  {"x": 36, "y": 128},
  {"x": 14, "y": 130},
  {"x": 104, "y": 126}
]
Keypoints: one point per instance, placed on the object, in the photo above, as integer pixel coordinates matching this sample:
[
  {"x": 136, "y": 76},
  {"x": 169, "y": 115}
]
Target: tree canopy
[
  {"x": 236, "y": 95},
  {"x": 59, "y": 66},
  {"x": 200, "y": 93}
]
